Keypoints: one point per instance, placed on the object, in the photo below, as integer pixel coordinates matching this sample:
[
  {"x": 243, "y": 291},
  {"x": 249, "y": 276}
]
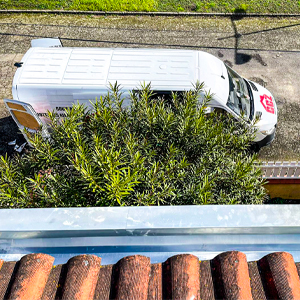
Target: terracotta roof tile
[
  {"x": 31, "y": 277},
  {"x": 206, "y": 281},
  {"x": 256, "y": 284},
  {"x": 104, "y": 283},
  {"x": 279, "y": 275},
  {"x": 53, "y": 288},
  {"x": 132, "y": 280},
  {"x": 298, "y": 268},
  {"x": 6, "y": 273},
  {"x": 81, "y": 277},
  {"x": 227, "y": 276},
  {"x": 155, "y": 282},
  {"x": 184, "y": 277},
  {"x": 231, "y": 276}
]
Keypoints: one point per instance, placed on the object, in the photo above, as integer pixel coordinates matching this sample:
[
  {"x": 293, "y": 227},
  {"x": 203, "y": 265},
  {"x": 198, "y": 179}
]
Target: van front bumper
[{"x": 267, "y": 140}]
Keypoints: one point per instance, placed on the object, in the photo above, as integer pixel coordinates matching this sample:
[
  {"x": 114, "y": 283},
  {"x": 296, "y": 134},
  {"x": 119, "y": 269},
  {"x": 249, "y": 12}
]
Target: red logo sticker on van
[{"x": 267, "y": 103}]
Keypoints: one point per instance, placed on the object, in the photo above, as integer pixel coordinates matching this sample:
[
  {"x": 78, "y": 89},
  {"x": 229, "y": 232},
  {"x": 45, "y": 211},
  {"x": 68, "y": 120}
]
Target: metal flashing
[{"x": 157, "y": 232}]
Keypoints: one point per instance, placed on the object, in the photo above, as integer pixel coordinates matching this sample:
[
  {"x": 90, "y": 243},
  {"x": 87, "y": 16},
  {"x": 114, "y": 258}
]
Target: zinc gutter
[{"x": 157, "y": 232}]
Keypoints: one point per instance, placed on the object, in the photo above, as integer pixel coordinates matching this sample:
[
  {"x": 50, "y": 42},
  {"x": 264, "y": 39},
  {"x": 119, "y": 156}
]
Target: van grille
[{"x": 253, "y": 86}]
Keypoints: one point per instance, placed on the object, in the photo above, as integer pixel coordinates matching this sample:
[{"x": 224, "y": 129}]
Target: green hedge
[{"x": 161, "y": 151}]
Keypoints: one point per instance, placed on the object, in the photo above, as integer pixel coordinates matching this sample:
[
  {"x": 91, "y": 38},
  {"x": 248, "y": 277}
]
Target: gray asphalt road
[{"x": 264, "y": 50}]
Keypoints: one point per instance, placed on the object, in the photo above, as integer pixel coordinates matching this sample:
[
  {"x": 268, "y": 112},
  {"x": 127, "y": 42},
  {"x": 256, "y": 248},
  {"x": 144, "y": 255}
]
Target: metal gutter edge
[
  {"x": 157, "y": 232},
  {"x": 155, "y": 220},
  {"x": 142, "y": 13}
]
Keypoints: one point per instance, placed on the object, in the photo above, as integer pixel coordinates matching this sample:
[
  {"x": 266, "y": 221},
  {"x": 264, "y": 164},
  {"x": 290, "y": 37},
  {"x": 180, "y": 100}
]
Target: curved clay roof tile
[{"x": 227, "y": 276}]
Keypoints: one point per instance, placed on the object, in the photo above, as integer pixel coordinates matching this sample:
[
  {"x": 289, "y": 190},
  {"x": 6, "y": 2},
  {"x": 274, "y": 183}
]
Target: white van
[{"x": 51, "y": 77}]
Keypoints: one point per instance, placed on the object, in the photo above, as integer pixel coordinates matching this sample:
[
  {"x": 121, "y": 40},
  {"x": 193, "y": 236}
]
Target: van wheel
[{"x": 254, "y": 148}]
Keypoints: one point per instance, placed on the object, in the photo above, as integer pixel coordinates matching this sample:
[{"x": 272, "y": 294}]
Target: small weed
[
  {"x": 199, "y": 6},
  {"x": 180, "y": 8},
  {"x": 242, "y": 9}
]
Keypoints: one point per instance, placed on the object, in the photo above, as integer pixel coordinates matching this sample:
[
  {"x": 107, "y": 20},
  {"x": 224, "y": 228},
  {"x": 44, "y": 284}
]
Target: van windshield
[{"x": 240, "y": 97}]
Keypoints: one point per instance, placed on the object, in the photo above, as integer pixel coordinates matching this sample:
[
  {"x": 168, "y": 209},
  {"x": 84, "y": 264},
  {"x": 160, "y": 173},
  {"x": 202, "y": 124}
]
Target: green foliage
[
  {"x": 242, "y": 9},
  {"x": 251, "y": 6},
  {"x": 34, "y": 4},
  {"x": 116, "y": 5},
  {"x": 92, "y": 5},
  {"x": 180, "y": 8},
  {"x": 237, "y": 6},
  {"x": 161, "y": 151},
  {"x": 198, "y": 6}
]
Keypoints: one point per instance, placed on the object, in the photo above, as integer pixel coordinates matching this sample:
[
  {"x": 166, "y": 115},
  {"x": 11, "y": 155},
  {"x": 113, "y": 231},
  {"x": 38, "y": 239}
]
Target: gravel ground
[{"x": 264, "y": 50}]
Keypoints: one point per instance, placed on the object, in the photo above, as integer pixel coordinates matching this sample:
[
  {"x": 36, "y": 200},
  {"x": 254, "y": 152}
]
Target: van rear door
[{"x": 25, "y": 117}]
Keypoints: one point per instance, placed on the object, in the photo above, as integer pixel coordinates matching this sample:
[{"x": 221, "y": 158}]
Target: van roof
[
  {"x": 166, "y": 69},
  {"x": 99, "y": 66}
]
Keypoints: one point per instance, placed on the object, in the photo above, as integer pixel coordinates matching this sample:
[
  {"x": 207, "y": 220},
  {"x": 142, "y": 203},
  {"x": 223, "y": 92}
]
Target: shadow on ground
[
  {"x": 282, "y": 201},
  {"x": 8, "y": 132}
]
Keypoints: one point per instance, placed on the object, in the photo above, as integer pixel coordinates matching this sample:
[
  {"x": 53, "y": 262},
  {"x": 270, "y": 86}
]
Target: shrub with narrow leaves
[{"x": 158, "y": 151}]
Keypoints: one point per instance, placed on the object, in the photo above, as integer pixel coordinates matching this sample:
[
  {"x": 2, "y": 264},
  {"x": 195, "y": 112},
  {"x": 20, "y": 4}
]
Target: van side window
[{"x": 165, "y": 95}]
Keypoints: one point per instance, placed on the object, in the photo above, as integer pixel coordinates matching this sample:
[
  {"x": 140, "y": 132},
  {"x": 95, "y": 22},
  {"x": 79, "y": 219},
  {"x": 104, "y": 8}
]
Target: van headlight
[{"x": 269, "y": 131}]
